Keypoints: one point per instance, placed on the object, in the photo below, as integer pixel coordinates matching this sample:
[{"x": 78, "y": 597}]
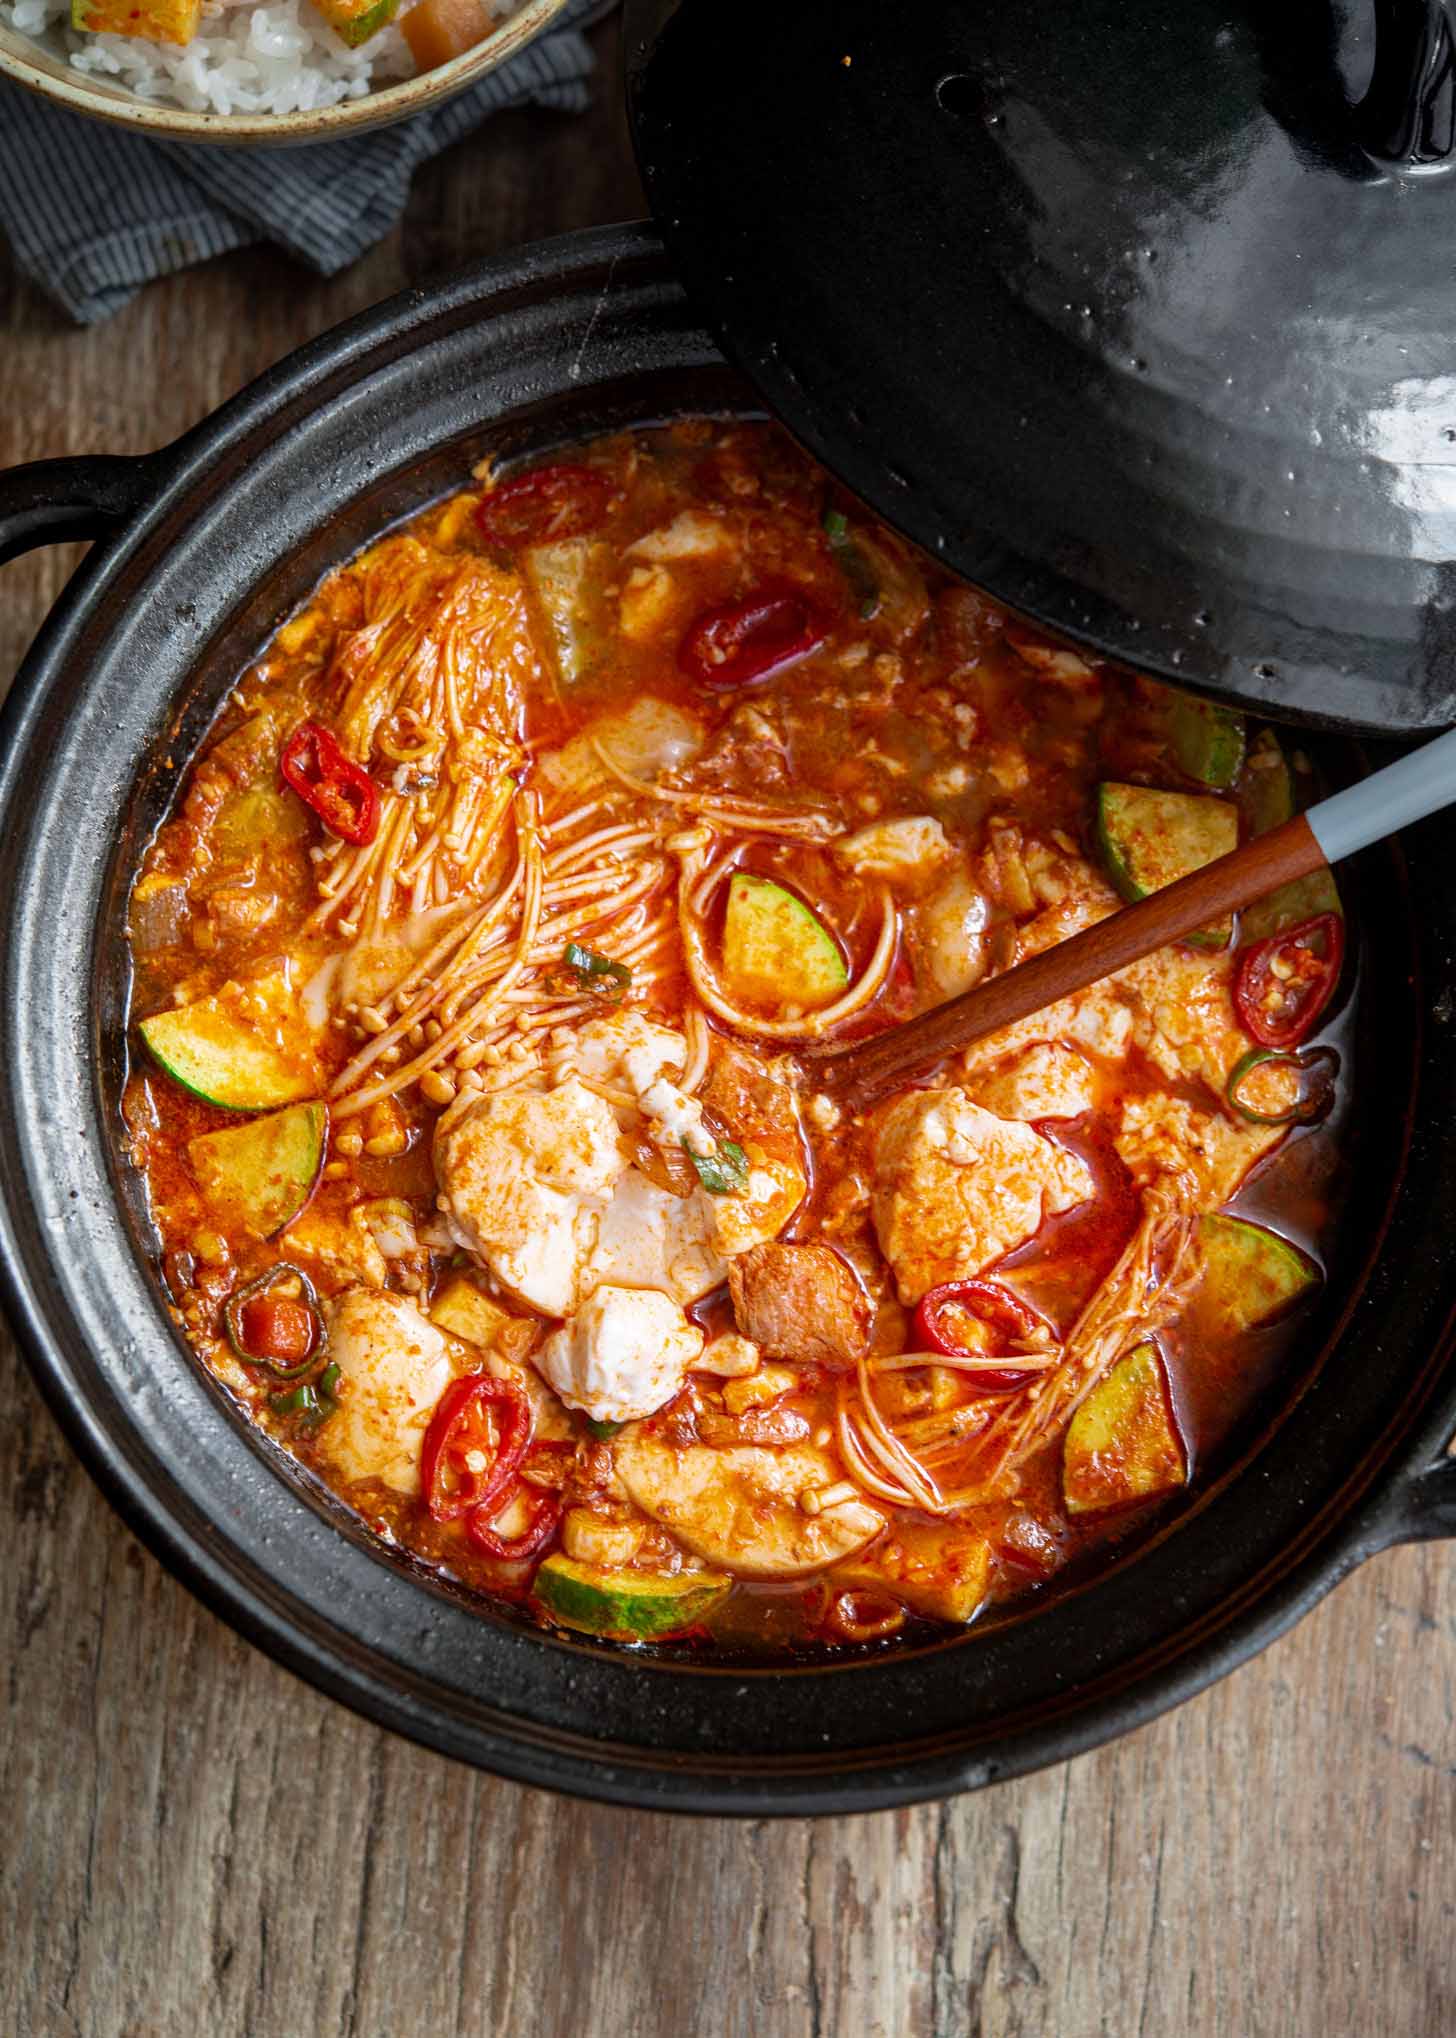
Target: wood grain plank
[{"x": 192, "y": 1842}]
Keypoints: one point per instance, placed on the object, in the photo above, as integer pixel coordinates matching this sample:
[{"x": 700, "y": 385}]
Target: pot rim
[{"x": 1362, "y": 1513}]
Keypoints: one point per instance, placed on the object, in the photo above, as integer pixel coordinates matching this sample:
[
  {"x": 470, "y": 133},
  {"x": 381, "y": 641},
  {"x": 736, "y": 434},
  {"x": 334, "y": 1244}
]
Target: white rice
[{"x": 278, "y": 58}]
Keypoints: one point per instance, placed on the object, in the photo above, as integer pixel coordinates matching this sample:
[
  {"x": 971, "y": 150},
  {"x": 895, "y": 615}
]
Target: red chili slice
[
  {"x": 1283, "y": 983},
  {"x": 744, "y": 643},
  {"x": 990, "y": 1304},
  {"x": 545, "y": 1514},
  {"x": 546, "y": 504},
  {"x": 341, "y": 793},
  {"x": 465, "y": 1465}
]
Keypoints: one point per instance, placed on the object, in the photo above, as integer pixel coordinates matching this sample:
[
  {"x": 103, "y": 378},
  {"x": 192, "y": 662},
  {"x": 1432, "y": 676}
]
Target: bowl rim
[
  {"x": 1305, "y": 1516},
  {"x": 119, "y": 107}
]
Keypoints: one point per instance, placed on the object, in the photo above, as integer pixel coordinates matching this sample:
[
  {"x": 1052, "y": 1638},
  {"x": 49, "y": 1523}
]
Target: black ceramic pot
[{"x": 202, "y": 549}]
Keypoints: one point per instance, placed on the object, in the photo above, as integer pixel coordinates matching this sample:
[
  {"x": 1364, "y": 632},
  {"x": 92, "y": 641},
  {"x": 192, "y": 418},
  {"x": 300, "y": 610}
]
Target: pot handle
[
  {"x": 1423, "y": 1508},
  {"x": 1408, "y": 116},
  {"x": 51, "y": 501}
]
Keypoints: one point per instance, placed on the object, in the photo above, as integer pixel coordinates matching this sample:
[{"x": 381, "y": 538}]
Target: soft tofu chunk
[
  {"x": 692, "y": 534},
  {"x": 623, "y": 1354},
  {"x": 739, "y": 1508},
  {"x": 760, "y": 1210},
  {"x": 949, "y": 936},
  {"x": 908, "y": 852},
  {"x": 1184, "y": 1017},
  {"x": 1046, "y": 1081},
  {"x": 651, "y": 736},
  {"x": 524, "y": 1178},
  {"x": 335, "y": 1248},
  {"x": 649, "y": 603},
  {"x": 1161, "y": 1135},
  {"x": 956, "y": 1187},
  {"x": 393, "y": 1367},
  {"x": 649, "y": 1238}
]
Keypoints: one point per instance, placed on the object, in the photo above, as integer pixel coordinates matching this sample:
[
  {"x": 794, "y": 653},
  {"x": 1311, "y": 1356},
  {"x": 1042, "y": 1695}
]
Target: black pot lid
[{"x": 1141, "y": 317}]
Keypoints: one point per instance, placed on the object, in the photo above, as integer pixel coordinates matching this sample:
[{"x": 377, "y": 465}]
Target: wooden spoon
[{"x": 1389, "y": 799}]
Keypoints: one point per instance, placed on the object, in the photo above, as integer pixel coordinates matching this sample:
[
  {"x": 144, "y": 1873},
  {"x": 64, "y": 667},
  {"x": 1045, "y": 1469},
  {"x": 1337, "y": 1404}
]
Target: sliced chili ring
[
  {"x": 747, "y": 642},
  {"x": 865, "y": 1614},
  {"x": 465, "y": 1463},
  {"x": 545, "y": 1514},
  {"x": 1313, "y": 1100},
  {"x": 1283, "y": 983},
  {"x": 990, "y": 1303},
  {"x": 253, "y": 1318},
  {"x": 339, "y": 791},
  {"x": 543, "y": 506}
]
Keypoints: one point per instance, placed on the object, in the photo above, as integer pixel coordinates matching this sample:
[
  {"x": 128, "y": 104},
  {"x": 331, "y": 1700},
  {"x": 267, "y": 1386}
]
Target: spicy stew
[{"x": 479, "y": 975}]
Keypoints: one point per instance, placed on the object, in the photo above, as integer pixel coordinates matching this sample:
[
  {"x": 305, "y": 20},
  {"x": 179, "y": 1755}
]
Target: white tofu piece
[
  {"x": 692, "y": 534},
  {"x": 1046, "y": 1081},
  {"x": 393, "y": 1367},
  {"x": 956, "y": 1187},
  {"x": 624, "y": 1353},
  {"x": 524, "y": 1178},
  {"x": 650, "y": 737},
  {"x": 950, "y": 935},
  {"x": 649, "y": 1238},
  {"x": 1161, "y": 1135},
  {"x": 908, "y": 852}
]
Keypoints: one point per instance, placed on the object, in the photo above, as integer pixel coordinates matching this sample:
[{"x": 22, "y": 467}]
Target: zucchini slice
[
  {"x": 1269, "y": 801},
  {"x": 258, "y": 1176},
  {"x": 1207, "y": 740},
  {"x": 1123, "y": 1445},
  {"x": 1150, "y": 839},
  {"x": 1249, "y": 1275},
  {"x": 229, "y": 1049},
  {"x": 775, "y": 950},
  {"x": 635, "y": 1605}
]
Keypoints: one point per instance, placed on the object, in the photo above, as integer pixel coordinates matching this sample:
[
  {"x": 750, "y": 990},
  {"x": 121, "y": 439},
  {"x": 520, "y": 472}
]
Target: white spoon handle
[{"x": 1389, "y": 799}]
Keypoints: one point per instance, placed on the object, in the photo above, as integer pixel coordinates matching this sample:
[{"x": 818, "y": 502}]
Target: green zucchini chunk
[
  {"x": 1249, "y": 1275},
  {"x": 776, "y": 951},
  {"x": 633, "y": 1604},
  {"x": 1122, "y": 1444},
  {"x": 258, "y": 1176}
]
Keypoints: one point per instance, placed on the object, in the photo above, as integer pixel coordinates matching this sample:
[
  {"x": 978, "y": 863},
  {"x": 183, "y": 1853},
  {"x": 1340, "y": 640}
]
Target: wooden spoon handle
[{"x": 861, "y": 1073}]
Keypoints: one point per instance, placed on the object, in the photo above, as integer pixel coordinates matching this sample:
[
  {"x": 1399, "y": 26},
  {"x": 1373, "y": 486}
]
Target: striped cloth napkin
[{"x": 92, "y": 213}]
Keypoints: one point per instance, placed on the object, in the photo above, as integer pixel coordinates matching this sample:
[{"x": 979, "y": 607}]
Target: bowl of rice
[{"x": 259, "y": 71}]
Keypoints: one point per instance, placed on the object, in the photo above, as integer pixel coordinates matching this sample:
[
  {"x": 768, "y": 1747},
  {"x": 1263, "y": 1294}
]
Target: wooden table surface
[{"x": 192, "y": 1843}]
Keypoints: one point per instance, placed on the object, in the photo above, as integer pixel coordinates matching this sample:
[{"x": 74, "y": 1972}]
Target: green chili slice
[
  {"x": 724, "y": 1173},
  {"x": 255, "y": 1291},
  {"x": 1313, "y": 1099},
  {"x": 595, "y": 974}
]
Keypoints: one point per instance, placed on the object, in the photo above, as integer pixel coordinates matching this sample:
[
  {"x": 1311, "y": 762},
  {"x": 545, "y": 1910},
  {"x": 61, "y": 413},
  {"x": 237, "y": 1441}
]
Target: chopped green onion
[
  {"x": 596, "y": 974},
  {"x": 312, "y": 1401},
  {"x": 603, "y": 1431},
  {"x": 1311, "y": 1103},
  {"x": 724, "y": 1173},
  {"x": 852, "y": 563}
]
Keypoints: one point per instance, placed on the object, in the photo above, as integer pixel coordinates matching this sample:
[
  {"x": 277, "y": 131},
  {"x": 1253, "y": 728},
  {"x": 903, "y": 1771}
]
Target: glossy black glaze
[
  {"x": 1138, "y": 315},
  {"x": 241, "y": 517}
]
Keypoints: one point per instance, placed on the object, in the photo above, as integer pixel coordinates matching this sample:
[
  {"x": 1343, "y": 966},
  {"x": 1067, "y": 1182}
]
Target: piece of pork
[{"x": 802, "y": 1302}]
